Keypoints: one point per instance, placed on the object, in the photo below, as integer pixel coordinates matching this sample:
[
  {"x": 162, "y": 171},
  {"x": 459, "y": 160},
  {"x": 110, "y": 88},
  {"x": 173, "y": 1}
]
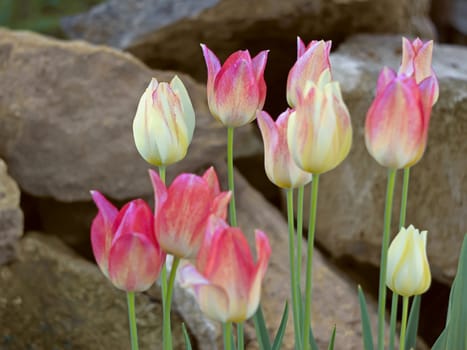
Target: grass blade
[
  {"x": 332, "y": 339},
  {"x": 366, "y": 328}
]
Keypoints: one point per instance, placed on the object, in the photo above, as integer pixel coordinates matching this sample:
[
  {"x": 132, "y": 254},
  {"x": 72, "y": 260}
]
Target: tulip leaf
[
  {"x": 186, "y": 337},
  {"x": 412, "y": 324},
  {"x": 454, "y": 335},
  {"x": 262, "y": 334},
  {"x": 313, "y": 343},
  {"x": 366, "y": 328},
  {"x": 281, "y": 330},
  {"x": 332, "y": 339}
]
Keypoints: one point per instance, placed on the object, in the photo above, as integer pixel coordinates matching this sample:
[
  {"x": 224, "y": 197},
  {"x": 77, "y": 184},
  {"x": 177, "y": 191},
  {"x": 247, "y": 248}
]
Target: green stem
[
  {"x": 392, "y": 327},
  {"x": 293, "y": 277},
  {"x": 130, "y": 296},
  {"x": 309, "y": 262},
  {"x": 298, "y": 264},
  {"x": 405, "y": 191},
  {"x": 384, "y": 256},
  {"x": 405, "y": 309},
  {"x": 227, "y": 336},
  {"x": 167, "y": 339},
  {"x": 240, "y": 337},
  {"x": 230, "y": 174}
]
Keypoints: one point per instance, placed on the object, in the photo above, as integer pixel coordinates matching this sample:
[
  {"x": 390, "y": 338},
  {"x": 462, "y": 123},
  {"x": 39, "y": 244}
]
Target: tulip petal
[
  {"x": 386, "y": 76},
  {"x": 212, "y": 63},
  {"x": 220, "y": 204},
  {"x": 188, "y": 112},
  {"x": 135, "y": 216},
  {"x": 210, "y": 177},
  {"x": 259, "y": 64},
  {"x": 160, "y": 191},
  {"x": 134, "y": 262}
]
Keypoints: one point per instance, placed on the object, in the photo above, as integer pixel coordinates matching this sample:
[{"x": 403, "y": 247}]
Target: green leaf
[
  {"x": 454, "y": 335},
  {"x": 281, "y": 330},
  {"x": 186, "y": 337},
  {"x": 412, "y": 324},
  {"x": 261, "y": 331},
  {"x": 313, "y": 343},
  {"x": 366, "y": 328},
  {"x": 331, "y": 340}
]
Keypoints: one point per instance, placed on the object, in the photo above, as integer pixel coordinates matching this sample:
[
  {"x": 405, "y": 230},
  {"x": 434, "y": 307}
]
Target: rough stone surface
[
  {"x": 351, "y": 204},
  {"x": 66, "y": 112},
  {"x": 52, "y": 299},
  {"x": 11, "y": 215}
]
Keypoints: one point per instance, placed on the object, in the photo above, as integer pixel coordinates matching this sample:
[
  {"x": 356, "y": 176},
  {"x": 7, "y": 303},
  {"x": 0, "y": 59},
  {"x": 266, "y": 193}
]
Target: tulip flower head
[
  {"x": 237, "y": 89},
  {"x": 280, "y": 167},
  {"x": 312, "y": 60},
  {"x": 396, "y": 127},
  {"x": 408, "y": 271},
  {"x": 226, "y": 280},
  {"x": 164, "y": 122},
  {"x": 124, "y": 244},
  {"x": 182, "y": 211},
  {"x": 416, "y": 62},
  {"x": 319, "y": 132}
]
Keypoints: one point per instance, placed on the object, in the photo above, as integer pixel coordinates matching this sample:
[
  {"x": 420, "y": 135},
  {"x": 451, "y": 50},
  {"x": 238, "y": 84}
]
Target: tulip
[
  {"x": 319, "y": 132},
  {"x": 396, "y": 128},
  {"x": 124, "y": 244},
  {"x": 280, "y": 167},
  {"x": 183, "y": 209},
  {"x": 237, "y": 89},
  {"x": 416, "y": 62},
  {"x": 408, "y": 271},
  {"x": 226, "y": 280},
  {"x": 164, "y": 122},
  {"x": 312, "y": 60}
]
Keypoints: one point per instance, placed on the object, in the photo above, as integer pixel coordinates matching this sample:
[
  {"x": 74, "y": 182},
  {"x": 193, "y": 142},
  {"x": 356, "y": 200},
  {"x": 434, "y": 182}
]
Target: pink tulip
[
  {"x": 416, "y": 62},
  {"x": 226, "y": 280},
  {"x": 312, "y": 60},
  {"x": 183, "y": 209},
  {"x": 124, "y": 244},
  {"x": 280, "y": 167},
  {"x": 397, "y": 122},
  {"x": 237, "y": 89}
]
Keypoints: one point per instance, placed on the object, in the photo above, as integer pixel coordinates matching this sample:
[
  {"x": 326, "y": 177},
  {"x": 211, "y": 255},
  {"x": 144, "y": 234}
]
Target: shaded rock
[
  {"x": 11, "y": 216},
  {"x": 351, "y": 204},
  {"x": 66, "y": 112},
  {"x": 53, "y": 299}
]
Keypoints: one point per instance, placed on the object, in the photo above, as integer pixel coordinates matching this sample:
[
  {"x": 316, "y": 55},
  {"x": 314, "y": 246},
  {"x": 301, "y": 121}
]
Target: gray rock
[
  {"x": 66, "y": 110},
  {"x": 11, "y": 216}
]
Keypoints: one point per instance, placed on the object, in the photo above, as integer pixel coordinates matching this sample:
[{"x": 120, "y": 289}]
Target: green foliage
[
  {"x": 332, "y": 339},
  {"x": 186, "y": 337},
  {"x": 40, "y": 15},
  {"x": 366, "y": 326},
  {"x": 412, "y": 325},
  {"x": 281, "y": 330}
]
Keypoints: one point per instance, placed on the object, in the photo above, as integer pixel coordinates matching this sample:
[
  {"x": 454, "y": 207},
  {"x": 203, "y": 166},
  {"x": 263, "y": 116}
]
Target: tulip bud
[
  {"x": 226, "y": 280},
  {"x": 280, "y": 167},
  {"x": 237, "y": 89},
  {"x": 182, "y": 211},
  {"x": 311, "y": 62},
  {"x": 416, "y": 62},
  {"x": 319, "y": 132},
  {"x": 124, "y": 244},
  {"x": 408, "y": 272},
  {"x": 164, "y": 122},
  {"x": 396, "y": 127}
]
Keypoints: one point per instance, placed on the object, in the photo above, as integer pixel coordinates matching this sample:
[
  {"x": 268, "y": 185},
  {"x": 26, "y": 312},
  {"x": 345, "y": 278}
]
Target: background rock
[
  {"x": 66, "y": 110},
  {"x": 53, "y": 299},
  {"x": 11, "y": 216}
]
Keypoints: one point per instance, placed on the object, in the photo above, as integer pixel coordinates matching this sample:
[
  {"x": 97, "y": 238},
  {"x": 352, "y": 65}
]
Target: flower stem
[
  {"x": 230, "y": 174},
  {"x": 130, "y": 296},
  {"x": 298, "y": 264},
  {"x": 167, "y": 339},
  {"x": 384, "y": 256},
  {"x": 293, "y": 277},
  {"x": 392, "y": 327},
  {"x": 240, "y": 337},
  {"x": 227, "y": 336},
  {"x": 309, "y": 262},
  {"x": 405, "y": 309}
]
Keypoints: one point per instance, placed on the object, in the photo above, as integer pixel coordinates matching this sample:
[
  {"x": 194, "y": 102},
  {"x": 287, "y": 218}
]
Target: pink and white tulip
[
  {"x": 124, "y": 244},
  {"x": 280, "y": 167},
  {"x": 237, "y": 89},
  {"x": 319, "y": 132},
  {"x": 226, "y": 279},
  {"x": 312, "y": 60},
  {"x": 183, "y": 209},
  {"x": 164, "y": 122},
  {"x": 396, "y": 127},
  {"x": 416, "y": 62}
]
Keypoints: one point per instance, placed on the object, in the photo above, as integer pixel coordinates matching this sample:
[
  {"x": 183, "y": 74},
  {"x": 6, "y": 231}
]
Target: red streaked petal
[
  {"x": 220, "y": 204},
  {"x": 160, "y": 191},
  {"x": 135, "y": 216},
  {"x": 210, "y": 177},
  {"x": 212, "y": 63},
  {"x": 386, "y": 76}
]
